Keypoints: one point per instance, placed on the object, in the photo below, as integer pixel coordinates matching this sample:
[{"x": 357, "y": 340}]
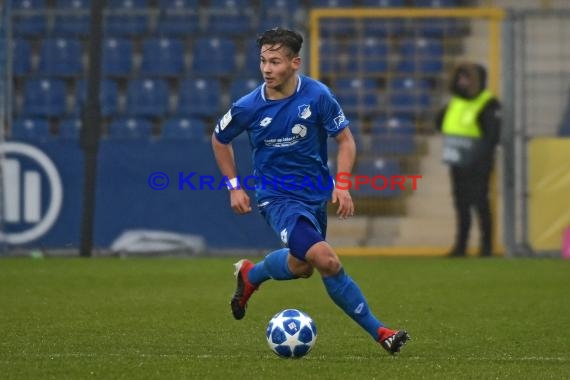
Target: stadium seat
[
  {"x": 30, "y": 128},
  {"x": 44, "y": 98},
  {"x": 435, "y": 28},
  {"x": 376, "y": 169},
  {"x": 70, "y": 128},
  {"x": 21, "y": 57},
  {"x": 335, "y": 57},
  {"x": 230, "y": 17},
  {"x": 147, "y": 98},
  {"x": 421, "y": 55},
  {"x": 130, "y": 128},
  {"x": 75, "y": 24},
  {"x": 251, "y": 59},
  {"x": 382, "y": 28},
  {"x": 178, "y": 18},
  {"x": 25, "y": 21},
  {"x": 199, "y": 97},
  {"x": 281, "y": 13},
  {"x": 436, "y": 3},
  {"x": 357, "y": 96},
  {"x": 109, "y": 97},
  {"x": 184, "y": 128},
  {"x": 408, "y": 96},
  {"x": 241, "y": 86},
  {"x": 372, "y": 56},
  {"x": 383, "y": 3},
  {"x": 392, "y": 126},
  {"x": 331, "y": 3},
  {"x": 162, "y": 57},
  {"x": 393, "y": 144},
  {"x": 60, "y": 57},
  {"x": 117, "y": 57},
  {"x": 127, "y": 18},
  {"x": 214, "y": 56}
]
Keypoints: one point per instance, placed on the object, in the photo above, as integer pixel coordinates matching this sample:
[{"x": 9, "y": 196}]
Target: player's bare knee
[{"x": 307, "y": 271}]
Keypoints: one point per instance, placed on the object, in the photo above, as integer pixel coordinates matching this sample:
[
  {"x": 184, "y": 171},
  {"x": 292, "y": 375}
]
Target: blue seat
[
  {"x": 26, "y": 22},
  {"x": 199, "y": 97},
  {"x": 393, "y": 144},
  {"x": 383, "y": 3},
  {"x": 214, "y": 56},
  {"x": 178, "y": 18},
  {"x": 338, "y": 27},
  {"x": 331, "y": 3},
  {"x": 242, "y": 86},
  {"x": 127, "y": 18},
  {"x": 147, "y": 98},
  {"x": 184, "y": 128},
  {"x": 408, "y": 97},
  {"x": 30, "y": 128},
  {"x": 436, "y": 28},
  {"x": 76, "y": 24},
  {"x": 436, "y": 3},
  {"x": 230, "y": 17},
  {"x": 21, "y": 58},
  {"x": 108, "y": 98},
  {"x": 281, "y": 13},
  {"x": 60, "y": 57},
  {"x": 335, "y": 57},
  {"x": 70, "y": 128},
  {"x": 44, "y": 98},
  {"x": 421, "y": 55},
  {"x": 372, "y": 55},
  {"x": 357, "y": 96},
  {"x": 162, "y": 57},
  {"x": 380, "y": 171},
  {"x": 130, "y": 128},
  {"x": 117, "y": 57},
  {"x": 382, "y": 28},
  {"x": 251, "y": 60},
  {"x": 393, "y": 126}
]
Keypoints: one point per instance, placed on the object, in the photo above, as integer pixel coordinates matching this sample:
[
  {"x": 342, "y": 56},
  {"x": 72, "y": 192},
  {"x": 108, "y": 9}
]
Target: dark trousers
[{"x": 470, "y": 188}]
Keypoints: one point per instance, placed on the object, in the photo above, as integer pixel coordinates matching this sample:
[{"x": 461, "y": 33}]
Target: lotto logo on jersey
[
  {"x": 305, "y": 111},
  {"x": 265, "y": 122}
]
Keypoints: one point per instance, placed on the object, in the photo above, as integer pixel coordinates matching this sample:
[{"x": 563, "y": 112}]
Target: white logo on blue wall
[{"x": 22, "y": 203}]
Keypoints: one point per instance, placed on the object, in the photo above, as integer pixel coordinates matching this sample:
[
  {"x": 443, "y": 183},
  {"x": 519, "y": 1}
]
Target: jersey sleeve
[
  {"x": 230, "y": 125},
  {"x": 333, "y": 118}
]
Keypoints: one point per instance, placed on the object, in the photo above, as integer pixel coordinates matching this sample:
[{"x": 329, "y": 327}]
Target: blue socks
[
  {"x": 273, "y": 266},
  {"x": 347, "y": 295}
]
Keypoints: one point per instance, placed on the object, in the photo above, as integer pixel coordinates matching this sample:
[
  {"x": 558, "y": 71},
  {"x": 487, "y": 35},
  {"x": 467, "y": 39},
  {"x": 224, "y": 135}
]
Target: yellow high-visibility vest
[{"x": 461, "y": 115}]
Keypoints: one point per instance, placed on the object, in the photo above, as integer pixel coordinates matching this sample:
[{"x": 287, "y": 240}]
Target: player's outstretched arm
[
  {"x": 345, "y": 162},
  {"x": 224, "y": 153}
]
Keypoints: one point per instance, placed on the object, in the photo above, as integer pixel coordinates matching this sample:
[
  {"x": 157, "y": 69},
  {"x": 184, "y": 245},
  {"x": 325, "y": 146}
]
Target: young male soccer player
[{"x": 288, "y": 119}]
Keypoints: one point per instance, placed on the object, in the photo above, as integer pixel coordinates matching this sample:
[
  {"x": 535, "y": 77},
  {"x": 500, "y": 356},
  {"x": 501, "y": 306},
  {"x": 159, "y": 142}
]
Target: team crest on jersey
[
  {"x": 304, "y": 111},
  {"x": 226, "y": 120}
]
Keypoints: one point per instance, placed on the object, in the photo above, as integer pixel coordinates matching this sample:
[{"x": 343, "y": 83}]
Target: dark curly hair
[{"x": 278, "y": 37}]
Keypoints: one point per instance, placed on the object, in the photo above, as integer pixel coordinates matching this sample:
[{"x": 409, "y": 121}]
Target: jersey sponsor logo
[
  {"x": 265, "y": 122},
  {"x": 305, "y": 111},
  {"x": 299, "y": 132},
  {"x": 339, "y": 120},
  {"x": 225, "y": 120}
]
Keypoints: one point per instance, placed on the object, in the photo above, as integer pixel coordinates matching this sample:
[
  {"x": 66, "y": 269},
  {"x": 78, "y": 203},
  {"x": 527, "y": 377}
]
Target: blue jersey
[{"x": 288, "y": 138}]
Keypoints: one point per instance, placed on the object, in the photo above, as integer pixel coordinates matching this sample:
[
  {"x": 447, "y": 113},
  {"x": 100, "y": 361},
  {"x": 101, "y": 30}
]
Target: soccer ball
[{"x": 291, "y": 333}]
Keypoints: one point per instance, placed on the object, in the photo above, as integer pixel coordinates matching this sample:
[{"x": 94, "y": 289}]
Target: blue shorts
[{"x": 282, "y": 215}]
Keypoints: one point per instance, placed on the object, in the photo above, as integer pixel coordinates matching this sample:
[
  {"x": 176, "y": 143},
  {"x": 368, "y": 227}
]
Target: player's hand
[
  {"x": 345, "y": 204},
  {"x": 240, "y": 202}
]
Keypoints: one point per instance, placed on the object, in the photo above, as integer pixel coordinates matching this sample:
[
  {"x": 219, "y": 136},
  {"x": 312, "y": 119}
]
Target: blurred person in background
[{"x": 471, "y": 125}]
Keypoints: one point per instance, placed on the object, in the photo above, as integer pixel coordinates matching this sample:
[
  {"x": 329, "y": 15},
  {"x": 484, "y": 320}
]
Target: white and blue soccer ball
[{"x": 291, "y": 333}]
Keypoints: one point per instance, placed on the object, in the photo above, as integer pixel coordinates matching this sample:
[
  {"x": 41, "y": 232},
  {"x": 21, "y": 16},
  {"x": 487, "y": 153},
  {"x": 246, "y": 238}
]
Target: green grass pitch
[{"x": 170, "y": 319}]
